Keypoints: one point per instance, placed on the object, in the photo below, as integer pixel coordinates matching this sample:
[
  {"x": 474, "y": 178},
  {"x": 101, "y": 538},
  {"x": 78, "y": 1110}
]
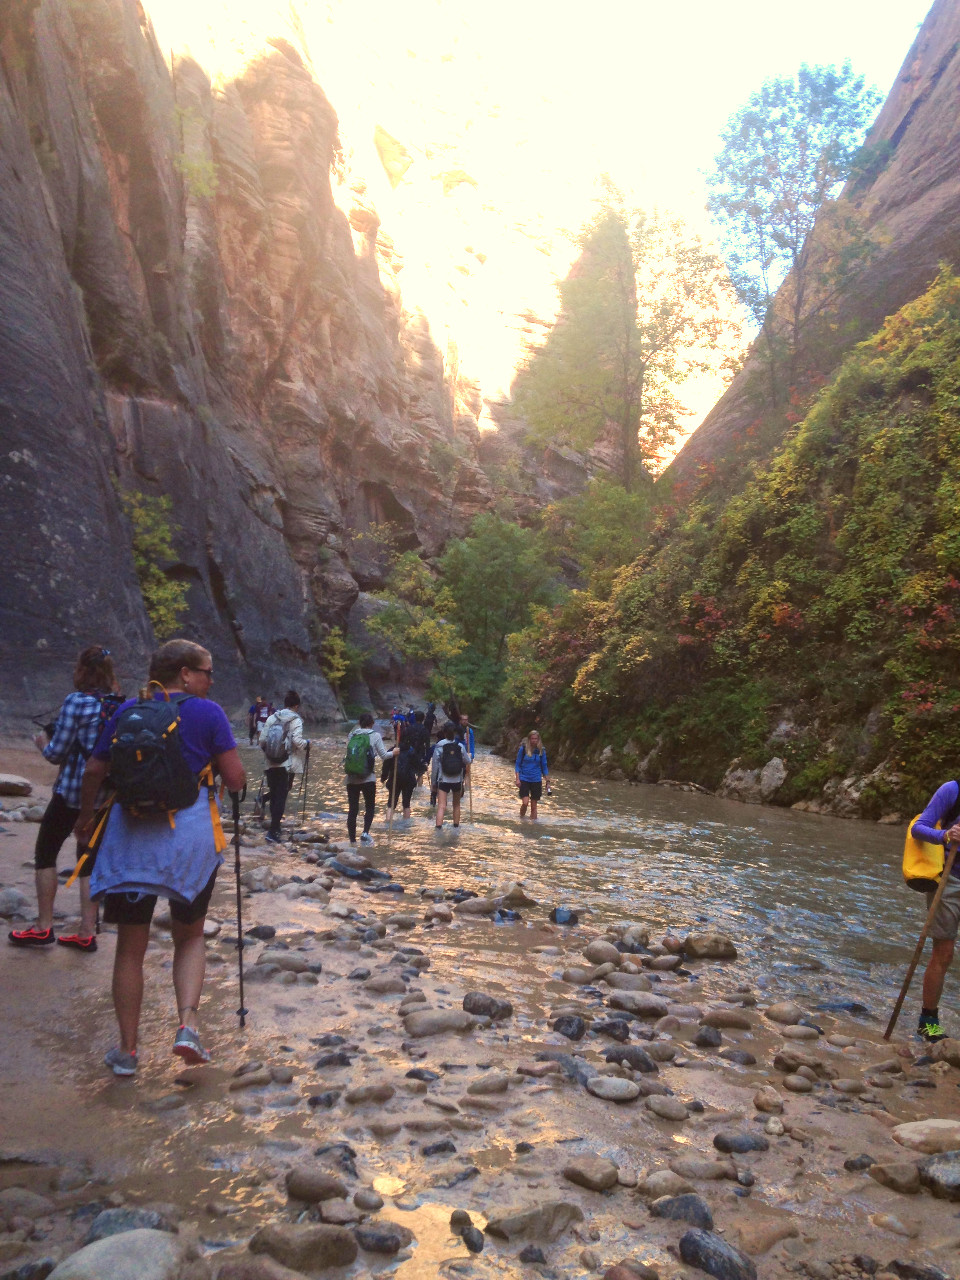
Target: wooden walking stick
[
  {"x": 928, "y": 923},
  {"x": 393, "y": 800},
  {"x": 470, "y": 790}
]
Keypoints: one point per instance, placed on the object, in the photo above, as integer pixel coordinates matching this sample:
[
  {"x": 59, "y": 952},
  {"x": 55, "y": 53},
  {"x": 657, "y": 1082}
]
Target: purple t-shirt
[
  {"x": 939, "y": 808},
  {"x": 204, "y": 731}
]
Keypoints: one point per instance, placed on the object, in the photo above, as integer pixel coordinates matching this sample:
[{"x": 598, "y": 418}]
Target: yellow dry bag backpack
[{"x": 923, "y": 862}]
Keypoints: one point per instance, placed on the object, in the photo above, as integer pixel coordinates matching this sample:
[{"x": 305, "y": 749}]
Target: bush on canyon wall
[
  {"x": 154, "y": 556},
  {"x": 813, "y": 616}
]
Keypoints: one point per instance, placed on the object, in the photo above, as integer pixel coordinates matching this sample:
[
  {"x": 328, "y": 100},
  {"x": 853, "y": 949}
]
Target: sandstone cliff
[{"x": 910, "y": 204}]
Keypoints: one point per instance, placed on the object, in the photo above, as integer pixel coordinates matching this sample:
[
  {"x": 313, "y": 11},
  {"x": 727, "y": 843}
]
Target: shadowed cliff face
[
  {"x": 196, "y": 299},
  {"x": 910, "y": 204}
]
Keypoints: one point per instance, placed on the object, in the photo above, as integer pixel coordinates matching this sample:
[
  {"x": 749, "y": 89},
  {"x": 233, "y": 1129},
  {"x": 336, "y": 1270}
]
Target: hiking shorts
[
  {"x": 454, "y": 788},
  {"x": 947, "y": 920},
  {"x": 532, "y": 789},
  {"x": 119, "y": 909}
]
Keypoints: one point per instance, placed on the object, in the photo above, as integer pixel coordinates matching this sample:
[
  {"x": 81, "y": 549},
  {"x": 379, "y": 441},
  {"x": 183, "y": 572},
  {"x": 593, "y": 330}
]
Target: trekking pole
[
  {"x": 303, "y": 783},
  {"x": 470, "y": 790},
  {"x": 393, "y": 800},
  {"x": 235, "y": 797},
  {"x": 928, "y": 924}
]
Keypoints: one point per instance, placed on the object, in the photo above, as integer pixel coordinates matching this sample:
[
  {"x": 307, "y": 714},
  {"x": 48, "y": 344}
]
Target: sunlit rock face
[{"x": 910, "y": 203}]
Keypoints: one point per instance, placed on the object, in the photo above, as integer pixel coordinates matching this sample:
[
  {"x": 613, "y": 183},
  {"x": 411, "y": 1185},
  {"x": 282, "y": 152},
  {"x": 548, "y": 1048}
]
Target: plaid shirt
[{"x": 74, "y": 737}]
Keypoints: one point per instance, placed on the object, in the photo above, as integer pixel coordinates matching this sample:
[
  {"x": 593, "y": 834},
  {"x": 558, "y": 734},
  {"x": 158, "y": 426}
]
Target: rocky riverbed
[{"x": 608, "y": 1101}]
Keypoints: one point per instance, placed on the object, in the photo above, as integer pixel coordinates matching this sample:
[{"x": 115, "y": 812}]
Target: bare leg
[
  {"x": 441, "y": 806},
  {"x": 936, "y": 972},
  {"x": 523, "y": 807},
  {"x": 88, "y": 909},
  {"x": 46, "y": 878},
  {"x": 406, "y": 812},
  {"x": 456, "y": 808},
  {"x": 189, "y": 966},
  {"x": 132, "y": 942},
  {"x": 533, "y": 809}
]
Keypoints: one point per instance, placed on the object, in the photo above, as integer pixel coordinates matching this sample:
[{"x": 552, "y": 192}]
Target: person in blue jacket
[
  {"x": 938, "y": 824},
  {"x": 531, "y": 773},
  {"x": 465, "y": 735}
]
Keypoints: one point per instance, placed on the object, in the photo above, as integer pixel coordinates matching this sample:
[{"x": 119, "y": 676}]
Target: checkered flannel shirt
[{"x": 74, "y": 737}]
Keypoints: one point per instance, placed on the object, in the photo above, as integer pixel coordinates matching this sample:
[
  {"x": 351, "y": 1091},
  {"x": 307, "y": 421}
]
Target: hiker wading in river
[
  {"x": 364, "y": 746},
  {"x": 531, "y": 773},
  {"x": 938, "y": 824},
  {"x": 451, "y": 764},
  {"x": 175, "y": 849}
]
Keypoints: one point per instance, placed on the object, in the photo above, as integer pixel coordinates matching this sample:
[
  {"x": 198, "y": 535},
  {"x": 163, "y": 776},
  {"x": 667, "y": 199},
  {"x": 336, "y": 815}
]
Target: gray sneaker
[
  {"x": 366, "y": 838},
  {"x": 188, "y": 1047},
  {"x": 121, "y": 1063}
]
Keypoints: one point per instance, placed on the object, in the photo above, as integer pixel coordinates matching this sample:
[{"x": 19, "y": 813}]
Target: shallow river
[{"x": 817, "y": 902}]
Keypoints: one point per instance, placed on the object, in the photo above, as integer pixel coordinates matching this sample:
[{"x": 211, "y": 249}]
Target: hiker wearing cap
[
  {"x": 451, "y": 764},
  {"x": 939, "y": 824},
  {"x": 149, "y": 840},
  {"x": 531, "y": 773},
  {"x": 284, "y": 748},
  {"x": 73, "y": 737},
  {"x": 364, "y": 746}
]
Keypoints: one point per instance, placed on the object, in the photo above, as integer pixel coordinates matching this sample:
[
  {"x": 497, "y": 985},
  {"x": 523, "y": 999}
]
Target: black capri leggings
[
  {"x": 56, "y": 827},
  {"x": 354, "y": 791}
]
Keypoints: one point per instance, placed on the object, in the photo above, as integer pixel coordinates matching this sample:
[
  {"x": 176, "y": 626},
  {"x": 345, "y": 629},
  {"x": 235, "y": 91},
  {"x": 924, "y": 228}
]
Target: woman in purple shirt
[{"x": 938, "y": 825}]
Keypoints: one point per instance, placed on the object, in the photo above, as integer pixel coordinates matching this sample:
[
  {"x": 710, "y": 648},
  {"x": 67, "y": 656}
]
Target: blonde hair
[{"x": 526, "y": 743}]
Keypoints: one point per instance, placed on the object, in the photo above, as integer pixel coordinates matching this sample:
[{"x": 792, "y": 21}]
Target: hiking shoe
[
  {"x": 366, "y": 838},
  {"x": 120, "y": 1062},
  {"x": 32, "y": 937},
  {"x": 930, "y": 1030},
  {"x": 272, "y": 838},
  {"x": 188, "y": 1047},
  {"x": 77, "y": 940}
]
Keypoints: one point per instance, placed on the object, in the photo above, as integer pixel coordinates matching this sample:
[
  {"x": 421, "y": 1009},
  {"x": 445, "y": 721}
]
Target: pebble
[
  {"x": 689, "y": 1208},
  {"x": 731, "y": 1142},
  {"x": 708, "y": 1038},
  {"x": 902, "y": 1177},
  {"x": 632, "y": 1056},
  {"x": 714, "y": 1255},
  {"x": 601, "y": 952},
  {"x": 574, "y": 1028},
  {"x": 667, "y": 1108},
  {"x": 595, "y": 1173},
  {"x": 613, "y": 1089},
  {"x": 473, "y": 1238},
  {"x": 786, "y": 1012},
  {"x": 727, "y": 1019},
  {"x": 477, "y": 1002},
  {"x": 312, "y": 1184},
  {"x": 663, "y": 1182},
  {"x": 767, "y": 1099},
  {"x": 709, "y": 946},
  {"x": 798, "y": 1032},
  {"x": 434, "y": 1022},
  {"x": 367, "y": 1200},
  {"x": 797, "y": 1084},
  {"x": 532, "y": 1253},
  {"x": 492, "y": 1082}
]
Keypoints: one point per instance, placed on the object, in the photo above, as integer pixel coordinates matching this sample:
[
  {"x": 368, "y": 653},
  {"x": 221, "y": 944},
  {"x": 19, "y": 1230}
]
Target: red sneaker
[
  {"x": 77, "y": 940},
  {"x": 32, "y": 937}
]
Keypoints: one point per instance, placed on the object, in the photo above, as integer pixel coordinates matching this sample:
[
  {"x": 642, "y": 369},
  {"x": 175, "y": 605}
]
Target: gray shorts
[{"x": 947, "y": 920}]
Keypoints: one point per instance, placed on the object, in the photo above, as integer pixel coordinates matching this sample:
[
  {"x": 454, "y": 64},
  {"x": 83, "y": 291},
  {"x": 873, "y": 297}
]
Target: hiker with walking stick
[
  {"x": 284, "y": 748},
  {"x": 930, "y": 866}
]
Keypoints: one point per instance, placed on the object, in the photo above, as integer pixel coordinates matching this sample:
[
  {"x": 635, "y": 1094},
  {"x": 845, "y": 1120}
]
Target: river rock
[
  {"x": 774, "y": 1127},
  {"x": 667, "y": 1108},
  {"x": 940, "y": 1174},
  {"x": 800, "y": 1033},
  {"x": 740, "y": 1057},
  {"x": 790, "y": 1059},
  {"x": 848, "y": 1086},
  {"x": 570, "y": 1025},
  {"x": 795, "y": 1083},
  {"x": 491, "y": 1082},
  {"x": 903, "y": 1177},
  {"x": 689, "y": 1208},
  {"x": 477, "y": 907},
  {"x": 21, "y": 1202},
  {"x": 709, "y": 946},
  {"x": 613, "y": 1088},
  {"x": 601, "y": 952},
  {"x": 376, "y": 1091},
  {"x": 286, "y": 961},
  {"x": 486, "y": 1006},
  {"x": 786, "y": 1012},
  {"x": 727, "y": 1019},
  {"x": 368, "y": 1200},
  {"x": 628, "y": 982},
  {"x": 13, "y": 903},
  {"x": 642, "y": 1003},
  {"x": 737, "y": 1142},
  {"x": 663, "y": 1182},
  {"x": 339, "y": 1213},
  {"x": 702, "y": 1168},
  {"x": 546, "y": 1221},
  {"x": 708, "y": 1038},
  {"x": 712, "y": 1254},
  {"x": 132, "y": 1255},
  {"x": 259, "y": 1267},
  {"x": 385, "y": 984},
  {"x": 382, "y": 1237},
  {"x": 251, "y": 1080},
  {"x": 11, "y": 784},
  {"x": 615, "y": 1028},
  {"x": 767, "y": 1099},
  {"x": 593, "y": 1172},
  {"x": 305, "y": 1247},
  {"x": 632, "y": 1056},
  {"x": 312, "y": 1184},
  {"x": 928, "y": 1136},
  {"x": 435, "y": 1022},
  {"x": 113, "y": 1222}
]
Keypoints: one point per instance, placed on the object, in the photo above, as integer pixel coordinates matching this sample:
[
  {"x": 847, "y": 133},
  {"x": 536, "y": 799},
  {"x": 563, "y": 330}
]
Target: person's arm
[
  {"x": 229, "y": 766},
  {"x": 377, "y": 743},
  {"x": 543, "y": 764},
  {"x": 435, "y": 769},
  {"x": 516, "y": 767},
  {"x": 93, "y": 778},
  {"x": 295, "y": 736},
  {"x": 467, "y": 758},
  {"x": 64, "y": 735},
  {"x": 939, "y": 805}
]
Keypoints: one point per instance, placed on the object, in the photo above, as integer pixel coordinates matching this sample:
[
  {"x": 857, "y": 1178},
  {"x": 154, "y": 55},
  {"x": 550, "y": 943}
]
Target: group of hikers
[{"x": 137, "y": 787}]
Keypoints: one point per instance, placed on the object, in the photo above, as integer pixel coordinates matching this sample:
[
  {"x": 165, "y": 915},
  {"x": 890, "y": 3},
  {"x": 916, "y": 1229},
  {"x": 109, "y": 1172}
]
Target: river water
[{"x": 816, "y": 905}]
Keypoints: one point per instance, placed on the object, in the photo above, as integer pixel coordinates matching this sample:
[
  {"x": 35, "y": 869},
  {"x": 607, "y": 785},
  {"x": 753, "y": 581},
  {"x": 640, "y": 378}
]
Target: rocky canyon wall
[{"x": 197, "y": 300}]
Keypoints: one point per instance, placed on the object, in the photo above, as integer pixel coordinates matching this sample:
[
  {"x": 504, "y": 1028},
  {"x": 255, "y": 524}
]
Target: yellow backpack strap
[
  {"x": 94, "y": 841},
  {"x": 219, "y": 835}
]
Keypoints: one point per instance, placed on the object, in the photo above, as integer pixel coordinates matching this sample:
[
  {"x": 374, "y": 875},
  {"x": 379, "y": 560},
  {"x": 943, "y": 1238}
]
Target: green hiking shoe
[{"x": 930, "y": 1030}]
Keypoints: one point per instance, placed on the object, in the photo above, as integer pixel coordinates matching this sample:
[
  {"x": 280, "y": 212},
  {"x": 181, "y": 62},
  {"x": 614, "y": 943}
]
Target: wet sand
[{"x": 213, "y": 1159}]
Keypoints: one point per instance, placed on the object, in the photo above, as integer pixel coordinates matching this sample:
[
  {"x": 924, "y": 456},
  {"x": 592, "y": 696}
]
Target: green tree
[
  {"x": 339, "y": 658},
  {"x": 783, "y": 161},
  {"x": 493, "y": 577},
  {"x": 601, "y": 529},
  {"x": 413, "y": 620},
  {"x": 644, "y": 307},
  {"x": 164, "y": 598}
]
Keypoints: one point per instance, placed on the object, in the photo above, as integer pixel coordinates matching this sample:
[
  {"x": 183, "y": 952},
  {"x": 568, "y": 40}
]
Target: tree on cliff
[
  {"x": 644, "y": 307},
  {"x": 785, "y": 156},
  {"x": 413, "y": 619}
]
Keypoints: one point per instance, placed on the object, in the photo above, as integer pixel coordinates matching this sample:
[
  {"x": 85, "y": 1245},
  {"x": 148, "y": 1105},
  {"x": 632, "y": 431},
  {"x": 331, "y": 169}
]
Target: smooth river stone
[
  {"x": 434, "y": 1022},
  {"x": 848, "y": 1086},
  {"x": 642, "y": 1003},
  {"x": 628, "y": 982},
  {"x": 593, "y": 1172},
  {"x": 601, "y": 952},
  {"x": 903, "y": 1177},
  {"x": 797, "y": 1032},
  {"x": 703, "y": 1169},
  {"x": 709, "y": 946},
  {"x": 767, "y": 1099},
  {"x": 929, "y": 1136},
  {"x": 727, "y": 1020},
  {"x": 664, "y": 1182},
  {"x": 613, "y": 1089},
  {"x": 797, "y": 1083},
  {"x": 785, "y": 1011},
  {"x": 667, "y": 1108}
]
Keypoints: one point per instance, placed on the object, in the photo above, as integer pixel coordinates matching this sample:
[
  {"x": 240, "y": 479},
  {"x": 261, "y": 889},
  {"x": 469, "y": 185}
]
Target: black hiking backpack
[
  {"x": 451, "y": 760},
  {"x": 147, "y": 767},
  {"x": 109, "y": 703}
]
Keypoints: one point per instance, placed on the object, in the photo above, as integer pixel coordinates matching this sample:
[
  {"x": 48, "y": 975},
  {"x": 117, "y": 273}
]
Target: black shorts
[
  {"x": 532, "y": 789},
  {"x": 56, "y": 827},
  {"x": 118, "y": 908},
  {"x": 454, "y": 788}
]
